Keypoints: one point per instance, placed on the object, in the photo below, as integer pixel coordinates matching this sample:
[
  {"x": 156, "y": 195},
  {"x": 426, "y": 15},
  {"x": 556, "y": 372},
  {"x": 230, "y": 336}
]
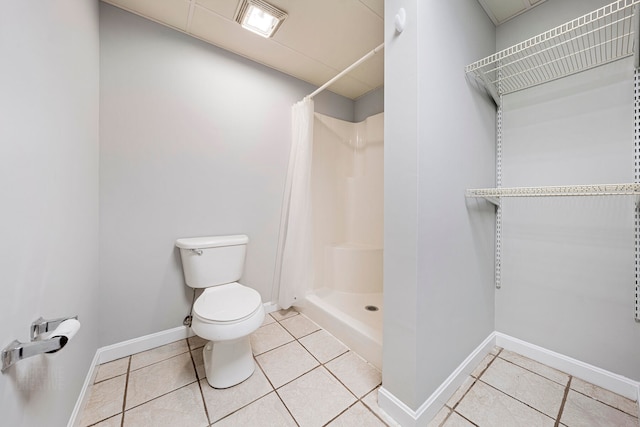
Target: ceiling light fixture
[{"x": 259, "y": 17}]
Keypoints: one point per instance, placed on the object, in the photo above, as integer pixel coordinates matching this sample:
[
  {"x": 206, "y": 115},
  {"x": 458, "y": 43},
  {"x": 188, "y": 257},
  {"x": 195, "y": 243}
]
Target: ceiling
[
  {"x": 501, "y": 11},
  {"x": 319, "y": 38}
]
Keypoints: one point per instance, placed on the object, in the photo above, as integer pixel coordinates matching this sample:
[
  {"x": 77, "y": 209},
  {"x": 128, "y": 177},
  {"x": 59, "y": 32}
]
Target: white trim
[
  {"x": 598, "y": 376},
  {"x": 270, "y": 307},
  {"x": 83, "y": 396},
  {"x": 406, "y": 416},
  {"x": 133, "y": 346},
  {"x": 147, "y": 342}
]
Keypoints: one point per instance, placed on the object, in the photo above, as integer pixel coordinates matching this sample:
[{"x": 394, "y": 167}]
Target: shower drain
[{"x": 371, "y": 308}]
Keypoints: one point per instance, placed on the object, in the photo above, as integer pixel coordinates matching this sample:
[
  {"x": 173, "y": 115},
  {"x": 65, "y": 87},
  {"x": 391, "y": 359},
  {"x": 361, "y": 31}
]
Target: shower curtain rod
[{"x": 346, "y": 70}]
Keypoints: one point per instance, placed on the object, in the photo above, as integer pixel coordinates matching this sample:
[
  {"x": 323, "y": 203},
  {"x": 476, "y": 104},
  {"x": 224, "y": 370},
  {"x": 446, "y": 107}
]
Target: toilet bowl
[
  {"x": 225, "y": 316},
  {"x": 226, "y": 312}
]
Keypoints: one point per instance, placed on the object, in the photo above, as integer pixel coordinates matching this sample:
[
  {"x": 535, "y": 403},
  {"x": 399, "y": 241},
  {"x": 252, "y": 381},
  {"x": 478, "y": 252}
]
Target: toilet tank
[{"x": 212, "y": 261}]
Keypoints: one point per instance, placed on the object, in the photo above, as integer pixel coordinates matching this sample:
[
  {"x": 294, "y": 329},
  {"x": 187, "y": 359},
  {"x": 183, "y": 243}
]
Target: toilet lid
[{"x": 227, "y": 303}]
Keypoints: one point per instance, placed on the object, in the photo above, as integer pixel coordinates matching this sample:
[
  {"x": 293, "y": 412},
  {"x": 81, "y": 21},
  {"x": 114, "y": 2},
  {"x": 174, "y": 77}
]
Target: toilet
[{"x": 227, "y": 312}]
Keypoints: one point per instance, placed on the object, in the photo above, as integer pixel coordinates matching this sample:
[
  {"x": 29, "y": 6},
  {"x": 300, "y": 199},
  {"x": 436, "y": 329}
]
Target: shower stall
[{"x": 345, "y": 296}]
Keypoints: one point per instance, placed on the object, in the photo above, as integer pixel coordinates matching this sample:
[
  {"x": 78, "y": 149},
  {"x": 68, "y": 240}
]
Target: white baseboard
[
  {"x": 270, "y": 307},
  {"x": 84, "y": 395},
  {"x": 147, "y": 342},
  {"x": 389, "y": 403},
  {"x": 600, "y": 377},
  {"x": 133, "y": 346},
  {"x": 407, "y": 417}
]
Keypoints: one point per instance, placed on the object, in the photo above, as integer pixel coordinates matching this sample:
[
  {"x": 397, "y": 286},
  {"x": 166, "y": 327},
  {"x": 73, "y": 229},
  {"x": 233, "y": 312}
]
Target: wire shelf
[
  {"x": 494, "y": 194},
  {"x": 597, "y": 38}
]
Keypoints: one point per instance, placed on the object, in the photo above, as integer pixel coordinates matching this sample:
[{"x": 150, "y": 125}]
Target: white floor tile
[
  {"x": 483, "y": 365},
  {"x": 357, "y": 415},
  {"x": 455, "y": 420},
  {"x": 105, "y": 400},
  {"x": 112, "y": 369},
  {"x": 487, "y": 407},
  {"x": 198, "y": 361},
  {"x": 155, "y": 380},
  {"x": 315, "y": 398},
  {"x": 540, "y": 369},
  {"x": 371, "y": 401},
  {"x": 532, "y": 389},
  {"x": 580, "y": 410},
  {"x": 354, "y": 372},
  {"x": 183, "y": 407},
  {"x": 158, "y": 354},
  {"x": 268, "y": 411},
  {"x": 111, "y": 422},
  {"x": 268, "y": 319},
  {"x": 222, "y": 402},
  {"x": 269, "y": 337},
  {"x": 442, "y": 414},
  {"x": 284, "y": 314},
  {"x": 459, "y": 393},
  {"x": 605, "y": 396},
  {"x": 286, "y": 363},
  {"x": 323, "y": 346},
  {"x": 299, "y": 326},
  {"x": 196, "y": 342}
]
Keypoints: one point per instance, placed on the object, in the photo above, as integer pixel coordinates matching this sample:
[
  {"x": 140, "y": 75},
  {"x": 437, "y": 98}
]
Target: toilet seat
[{"x": 227, "y": 304}]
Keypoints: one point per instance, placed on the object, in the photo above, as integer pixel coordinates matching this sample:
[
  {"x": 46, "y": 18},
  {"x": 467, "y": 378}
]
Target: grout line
[
  {"x": 534, "y": 372},
  {"x": 328, "y": 370},
  {"x": 516, "y": 399},
  {"x": 564, "y": 400},
  {"x": 126, "y": 387},
  {"x": 286, "y": 407},
  {"x": 605, "y": 403},
  {"x": 161, "y": 395},
  {"x": 343, "y": 411},
  {"x": 160, "y": 361},
  {"x": 264, "y": 373},
  {"x": 495, "y": 356},
  {"x": 462, "y": 416},
  {"x": 198, "y": 380},
  {"x": 455, "y": 405}
]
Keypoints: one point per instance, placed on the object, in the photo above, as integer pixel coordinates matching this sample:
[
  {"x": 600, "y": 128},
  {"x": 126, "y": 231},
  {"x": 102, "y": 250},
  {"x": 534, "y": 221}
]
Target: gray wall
[
  {"x": 568, "y": 263},
  {"x": 439, "y": 140},
  {"x": 369, "y": 104},
  {"x": 49, "y": 193},
  {"x": 194, "y": 141}
]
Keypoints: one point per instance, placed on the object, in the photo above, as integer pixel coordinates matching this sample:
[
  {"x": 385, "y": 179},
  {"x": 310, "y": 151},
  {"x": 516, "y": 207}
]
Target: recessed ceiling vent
[{"x": 259, "y": 17}]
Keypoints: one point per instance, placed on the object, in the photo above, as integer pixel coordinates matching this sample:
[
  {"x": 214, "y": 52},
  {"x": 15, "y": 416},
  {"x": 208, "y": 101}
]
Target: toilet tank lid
[{"x": 212, "y": 241}]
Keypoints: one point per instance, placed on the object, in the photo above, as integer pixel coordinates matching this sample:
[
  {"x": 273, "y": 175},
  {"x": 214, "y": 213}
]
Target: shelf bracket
[
  {"x": 489, "y": 87},
  {"x": 636, "y": 179},
  {"x": 635, "y": 25},
  {"x": 498, "y": 241}
]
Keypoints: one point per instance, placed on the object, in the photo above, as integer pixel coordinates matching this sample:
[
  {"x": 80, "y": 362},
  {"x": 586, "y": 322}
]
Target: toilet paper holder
[{"x": 41, "y": 341}]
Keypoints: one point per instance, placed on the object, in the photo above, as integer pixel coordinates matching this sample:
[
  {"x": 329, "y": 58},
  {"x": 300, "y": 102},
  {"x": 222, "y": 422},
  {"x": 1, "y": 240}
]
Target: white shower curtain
[{"x": 296, "y": 234}]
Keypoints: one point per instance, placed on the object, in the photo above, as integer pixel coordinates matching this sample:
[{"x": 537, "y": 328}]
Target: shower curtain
[{"x": 296, "y": 234}]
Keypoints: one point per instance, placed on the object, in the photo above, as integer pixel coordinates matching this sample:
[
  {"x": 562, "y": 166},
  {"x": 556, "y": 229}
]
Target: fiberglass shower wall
[{"x": 347, "y": 187}]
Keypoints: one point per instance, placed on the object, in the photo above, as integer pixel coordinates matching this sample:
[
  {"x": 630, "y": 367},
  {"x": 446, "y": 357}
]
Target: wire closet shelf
[
  {"x": 597, "y": 38},
  {"x": 494, "y": 194}
]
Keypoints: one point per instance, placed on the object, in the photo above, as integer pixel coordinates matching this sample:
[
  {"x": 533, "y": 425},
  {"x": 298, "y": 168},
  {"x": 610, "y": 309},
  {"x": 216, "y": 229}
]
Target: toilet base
[{"x": 228, "y": 363}]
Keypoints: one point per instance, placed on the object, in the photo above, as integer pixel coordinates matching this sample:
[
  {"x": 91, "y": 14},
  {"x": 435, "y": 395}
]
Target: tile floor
[
  {"x": 507, "y": 389},
  {"x": 306, "y": 377}
]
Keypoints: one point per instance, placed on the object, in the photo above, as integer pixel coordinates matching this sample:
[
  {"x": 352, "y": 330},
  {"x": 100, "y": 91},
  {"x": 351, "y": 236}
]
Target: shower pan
[{"x": 347, "y": 199}]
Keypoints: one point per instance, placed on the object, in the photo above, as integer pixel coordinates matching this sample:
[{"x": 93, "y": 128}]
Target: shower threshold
[{"x": 350, "y": 317}]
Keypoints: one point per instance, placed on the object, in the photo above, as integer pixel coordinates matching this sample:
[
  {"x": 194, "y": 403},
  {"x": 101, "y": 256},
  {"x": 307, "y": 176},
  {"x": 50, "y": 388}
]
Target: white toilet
[{"x": 227, "y": 312}]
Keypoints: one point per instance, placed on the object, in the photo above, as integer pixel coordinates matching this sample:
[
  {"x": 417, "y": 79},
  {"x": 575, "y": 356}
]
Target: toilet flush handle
[{"x": 197, "y": 251}]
